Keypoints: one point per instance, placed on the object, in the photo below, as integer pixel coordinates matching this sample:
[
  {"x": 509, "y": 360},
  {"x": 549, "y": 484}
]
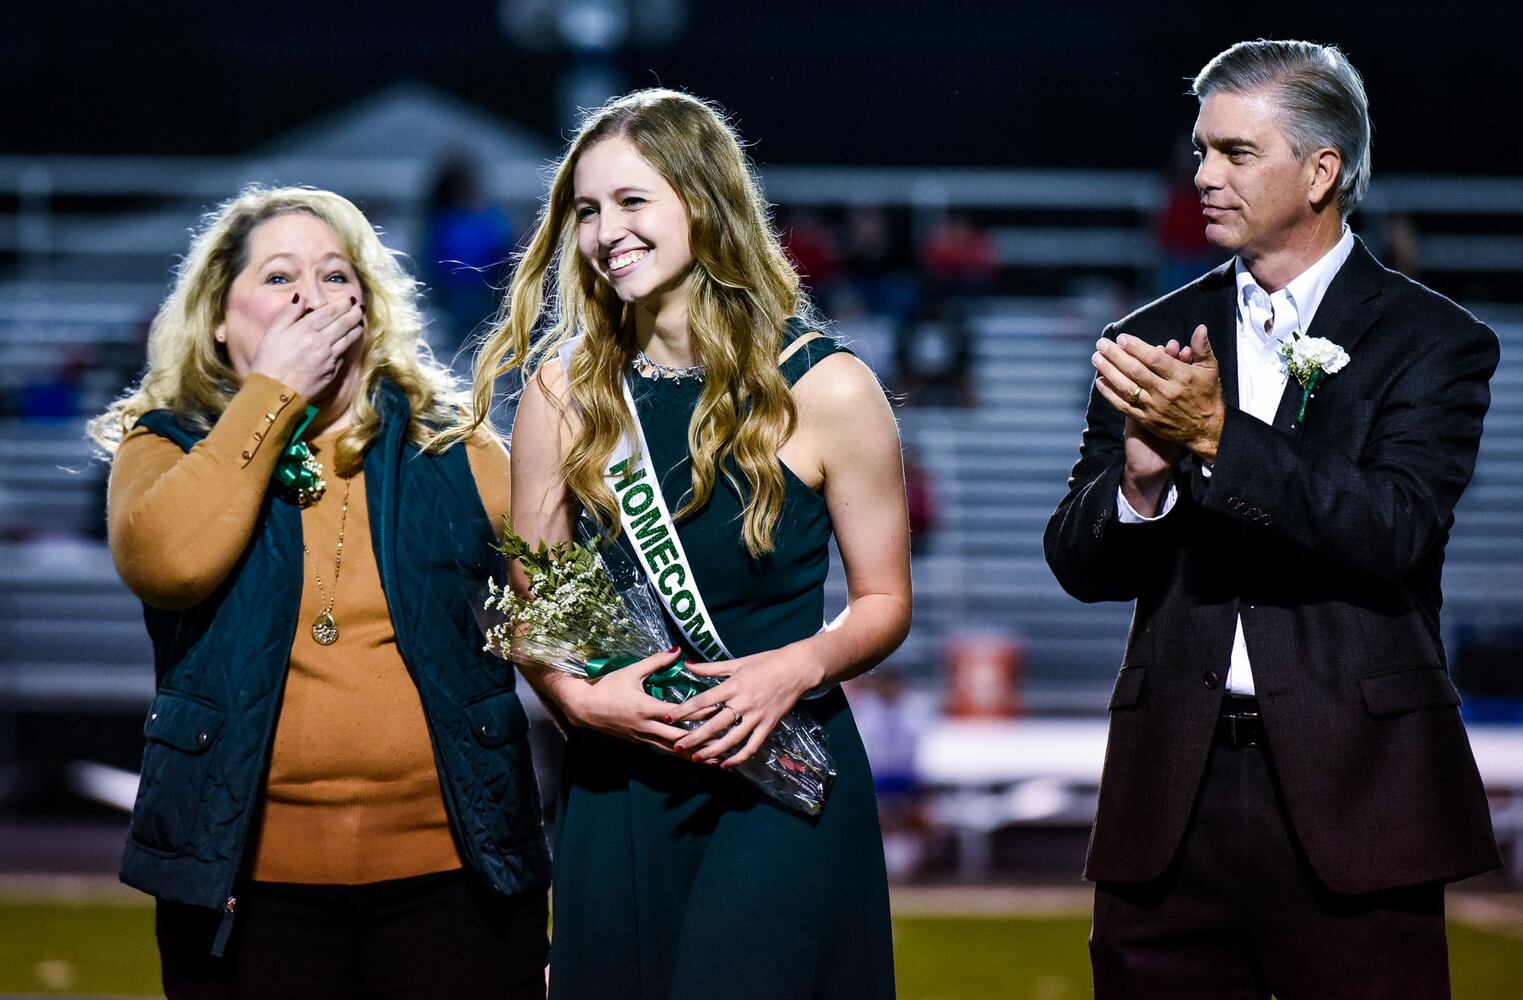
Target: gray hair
[{"x": 1320, "y": 97}]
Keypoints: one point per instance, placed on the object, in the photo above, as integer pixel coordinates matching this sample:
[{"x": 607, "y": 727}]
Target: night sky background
[{"x": 946, "y": 83}]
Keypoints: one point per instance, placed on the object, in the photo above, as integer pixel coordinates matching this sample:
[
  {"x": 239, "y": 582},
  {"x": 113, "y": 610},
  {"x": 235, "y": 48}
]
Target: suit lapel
[
  {"x": 1219, "y": 312},
  {"x": 1290, "y": 405},
  {"x": 1343, "y": 317}
]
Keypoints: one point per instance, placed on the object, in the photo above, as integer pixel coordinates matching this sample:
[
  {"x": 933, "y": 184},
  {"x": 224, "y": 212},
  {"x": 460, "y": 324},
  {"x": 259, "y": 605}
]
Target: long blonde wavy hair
[
  {"x": 189, "y": 372},
  {"x": 743, "y": 290}
]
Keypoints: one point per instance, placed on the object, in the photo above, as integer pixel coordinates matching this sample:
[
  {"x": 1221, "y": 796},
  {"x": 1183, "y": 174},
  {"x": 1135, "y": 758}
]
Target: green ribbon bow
[
  {"x": 296, "y": 469},
  {"x": 672, "y": 684}
]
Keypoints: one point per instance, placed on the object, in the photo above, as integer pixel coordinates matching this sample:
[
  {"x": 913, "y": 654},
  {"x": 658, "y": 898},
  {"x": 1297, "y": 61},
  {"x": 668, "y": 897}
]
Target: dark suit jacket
[{"x": 1328, "y": 538}]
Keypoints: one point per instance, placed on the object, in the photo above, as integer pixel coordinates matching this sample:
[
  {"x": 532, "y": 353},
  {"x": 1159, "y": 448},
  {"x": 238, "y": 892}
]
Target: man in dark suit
[{"x": 1288, "y": 784}]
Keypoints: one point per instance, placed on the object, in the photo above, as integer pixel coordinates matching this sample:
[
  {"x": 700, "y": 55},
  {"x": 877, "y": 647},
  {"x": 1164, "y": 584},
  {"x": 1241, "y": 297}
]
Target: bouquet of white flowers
[{"x": 591, "y": 611}]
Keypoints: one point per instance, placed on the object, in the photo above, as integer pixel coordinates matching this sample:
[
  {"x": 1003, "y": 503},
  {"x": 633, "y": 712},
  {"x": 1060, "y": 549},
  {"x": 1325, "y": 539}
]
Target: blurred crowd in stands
[
  {"x": 902, "y": 302},
  {"x": 902, "y": 287}
]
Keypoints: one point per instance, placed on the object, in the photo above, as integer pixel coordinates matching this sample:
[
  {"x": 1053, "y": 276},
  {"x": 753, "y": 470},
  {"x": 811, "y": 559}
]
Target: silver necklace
[{"x": 650, "y": 369}]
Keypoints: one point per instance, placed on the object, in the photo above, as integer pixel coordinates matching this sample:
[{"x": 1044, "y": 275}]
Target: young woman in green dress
[{"x": 654, "y": 269}]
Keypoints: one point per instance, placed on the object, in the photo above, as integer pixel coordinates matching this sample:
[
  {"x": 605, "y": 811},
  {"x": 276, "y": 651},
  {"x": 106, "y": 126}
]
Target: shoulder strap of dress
[
  {"x": 564, "y": 353},
  {"x": 804, "y": 347}
]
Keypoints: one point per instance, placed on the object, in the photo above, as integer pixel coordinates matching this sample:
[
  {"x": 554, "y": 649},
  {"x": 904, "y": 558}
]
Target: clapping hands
[{"x": 1171, "y": 398}]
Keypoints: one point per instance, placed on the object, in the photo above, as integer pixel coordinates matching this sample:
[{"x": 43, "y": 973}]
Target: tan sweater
[{"x": 352, "y": 793}]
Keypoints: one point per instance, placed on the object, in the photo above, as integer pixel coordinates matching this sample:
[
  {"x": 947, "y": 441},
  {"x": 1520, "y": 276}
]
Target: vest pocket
[
  {"x": 497, "y": 719},
  {"x": 179, "y": 731},
  {"x": 507, "y": 793}
]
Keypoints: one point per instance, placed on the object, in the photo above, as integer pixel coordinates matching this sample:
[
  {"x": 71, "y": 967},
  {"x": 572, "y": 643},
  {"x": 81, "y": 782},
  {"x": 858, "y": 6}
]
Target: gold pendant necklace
[{"x": 324, "y": 628}]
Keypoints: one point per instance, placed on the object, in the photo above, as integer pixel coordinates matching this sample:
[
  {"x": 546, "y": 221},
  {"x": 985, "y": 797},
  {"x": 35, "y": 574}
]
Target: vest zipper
[
  {"x": 470, "y": 852},
  {"x": 225, "y": 927}
]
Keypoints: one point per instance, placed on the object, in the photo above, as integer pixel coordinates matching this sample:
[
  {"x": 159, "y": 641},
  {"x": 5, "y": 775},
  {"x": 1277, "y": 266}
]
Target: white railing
[{"x": 183, "y": 186}]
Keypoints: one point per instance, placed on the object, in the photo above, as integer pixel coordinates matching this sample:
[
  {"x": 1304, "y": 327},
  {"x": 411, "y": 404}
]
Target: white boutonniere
[{"x": 1310, "y": 360}]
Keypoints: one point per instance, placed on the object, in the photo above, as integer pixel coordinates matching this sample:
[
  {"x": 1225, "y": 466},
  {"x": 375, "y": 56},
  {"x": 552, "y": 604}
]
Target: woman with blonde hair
[
  {"x": 675, "y": 349},
  {"x": 337, "y": 797}
]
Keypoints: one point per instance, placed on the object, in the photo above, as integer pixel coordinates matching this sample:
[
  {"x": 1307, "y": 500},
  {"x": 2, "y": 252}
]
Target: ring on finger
[
  {"x": 1136, "y": 395},
  {"x": 738, "y": 717}
]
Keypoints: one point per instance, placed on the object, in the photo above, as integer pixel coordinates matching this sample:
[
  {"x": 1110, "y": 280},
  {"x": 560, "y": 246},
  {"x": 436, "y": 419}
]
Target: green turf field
[
  {"x": 1045, "y": 958},
  {"x": 103, "y": 949}
]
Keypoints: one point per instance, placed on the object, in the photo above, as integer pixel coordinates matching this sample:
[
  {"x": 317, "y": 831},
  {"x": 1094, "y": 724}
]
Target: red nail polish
[
  {"x": 697, "y": 759},
  {"x": 295, "y": 298},
  {"x": 668, "y": 718},
  {"x": 677, "y": 748},
  {"x": 674, "y": 649}
]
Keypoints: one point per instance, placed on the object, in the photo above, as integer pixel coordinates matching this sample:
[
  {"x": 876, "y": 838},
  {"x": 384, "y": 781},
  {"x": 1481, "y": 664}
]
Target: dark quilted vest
[{"x": 221, "y": 669}]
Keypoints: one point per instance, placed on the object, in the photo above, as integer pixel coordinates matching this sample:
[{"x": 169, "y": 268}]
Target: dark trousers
[
  {"x": 442, "y": 935},
  {"x": 1240, "y": 915}
]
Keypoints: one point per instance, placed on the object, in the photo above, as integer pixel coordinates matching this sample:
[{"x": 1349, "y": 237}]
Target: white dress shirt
[{"x": 1265, "y": 320}]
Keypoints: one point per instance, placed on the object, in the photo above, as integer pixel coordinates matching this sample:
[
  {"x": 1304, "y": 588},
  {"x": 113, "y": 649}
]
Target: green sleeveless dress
[{"x": 674, "y": 879}]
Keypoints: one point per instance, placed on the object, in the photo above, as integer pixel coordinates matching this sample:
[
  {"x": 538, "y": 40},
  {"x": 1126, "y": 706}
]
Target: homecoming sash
[{"x": 652, "y": 534}]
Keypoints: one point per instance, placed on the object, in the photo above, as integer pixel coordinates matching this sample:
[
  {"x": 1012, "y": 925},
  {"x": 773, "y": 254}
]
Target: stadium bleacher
[
  {"x": 78, "y": 285},
  {"x": 999, "y": 469}
]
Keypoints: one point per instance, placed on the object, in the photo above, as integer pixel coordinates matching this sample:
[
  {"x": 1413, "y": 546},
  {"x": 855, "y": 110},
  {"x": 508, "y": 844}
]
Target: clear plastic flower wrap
[{"x": 592, "y": 611}]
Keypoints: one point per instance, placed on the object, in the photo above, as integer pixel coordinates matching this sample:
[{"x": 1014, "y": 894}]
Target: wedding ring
[
  {"x": 1136, "y": 395},
  {"x": 738, "y": 717}
]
